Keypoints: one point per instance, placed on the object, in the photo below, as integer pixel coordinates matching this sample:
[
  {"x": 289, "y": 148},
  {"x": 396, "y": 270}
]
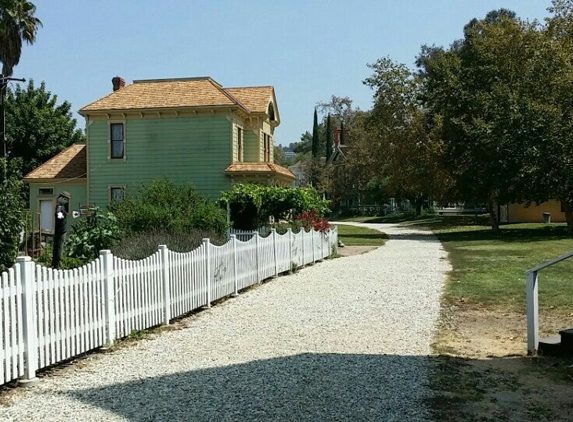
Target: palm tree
[{"x": 17, "y": 24}]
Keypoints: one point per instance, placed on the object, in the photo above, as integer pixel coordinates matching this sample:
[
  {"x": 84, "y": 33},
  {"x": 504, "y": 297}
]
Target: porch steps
[{"x": 558, "y": 345}]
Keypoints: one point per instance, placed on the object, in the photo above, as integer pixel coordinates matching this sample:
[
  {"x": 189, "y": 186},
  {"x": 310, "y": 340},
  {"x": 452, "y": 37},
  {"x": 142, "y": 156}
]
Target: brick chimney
[
  {"x": 337, "y": 137},
  {"x": 117, "y": 82}
]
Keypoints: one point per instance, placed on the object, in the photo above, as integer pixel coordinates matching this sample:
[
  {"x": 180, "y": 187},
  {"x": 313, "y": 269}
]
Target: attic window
[
  {"x": 271, "y": 112},
  {"x": 46, "y": 191}
]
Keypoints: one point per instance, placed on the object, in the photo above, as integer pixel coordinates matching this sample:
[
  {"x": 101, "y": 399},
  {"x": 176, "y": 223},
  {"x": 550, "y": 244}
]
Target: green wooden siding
[
  {"x": 184, "y": 149},
  {"x": 251, "y": 146},
  {"x": 77, "y": 191}
]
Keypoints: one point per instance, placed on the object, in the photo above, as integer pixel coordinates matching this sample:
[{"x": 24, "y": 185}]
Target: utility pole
[{"x": 3, "y": 87}]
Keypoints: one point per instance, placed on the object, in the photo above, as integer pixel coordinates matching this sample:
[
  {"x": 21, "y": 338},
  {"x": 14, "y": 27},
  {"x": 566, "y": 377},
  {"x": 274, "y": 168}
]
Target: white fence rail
[
  {"x": 532, "y": 301},
  {"x": 48, "y": 316}
]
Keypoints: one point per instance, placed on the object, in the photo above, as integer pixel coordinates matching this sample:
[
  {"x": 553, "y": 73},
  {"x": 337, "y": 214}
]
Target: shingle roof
[
  {"x": 262, "y": 168},
  {"x": 71, "y": 163},
  {"x": 164, "y": 93},
  {"x": 255, "y": 98}
]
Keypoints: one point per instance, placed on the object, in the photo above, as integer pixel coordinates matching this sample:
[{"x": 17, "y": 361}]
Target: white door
[
  {"x": 503, "y": 214},
  {"x": 46, "y": 216}
]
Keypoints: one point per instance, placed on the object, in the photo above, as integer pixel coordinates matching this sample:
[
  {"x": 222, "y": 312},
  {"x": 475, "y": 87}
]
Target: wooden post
[
  {"x": 290, "y": 261},
  {"x": 274, "y": 234},
  {"x": 532, "y": 313},
  {"x": 235, "y": 277},
  {"x": 28, "y": 282},
  {"x": 302, "y": 231},
  {"x": 109, "y": 296},
  {"x": 164, "y": 254},
  {"x": 207, "y": 244},
  {"x": 257, "y": 257}
]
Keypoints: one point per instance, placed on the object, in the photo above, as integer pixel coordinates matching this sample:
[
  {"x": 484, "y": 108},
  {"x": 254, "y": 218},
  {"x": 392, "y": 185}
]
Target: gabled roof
[
  {"x": 259, "y": 168},
  {"x": 338, "y": 155},
  {"x": 255, "y": 98},
  {"x": 71, "y": 163},
  {"x": 182, "y": 93}
]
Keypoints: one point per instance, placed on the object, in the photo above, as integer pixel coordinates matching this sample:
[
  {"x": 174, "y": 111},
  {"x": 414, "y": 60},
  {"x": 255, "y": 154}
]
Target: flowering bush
[{"x": 310, "y": 220}]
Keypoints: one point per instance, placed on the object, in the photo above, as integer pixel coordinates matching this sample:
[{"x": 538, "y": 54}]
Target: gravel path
[{"x": 344, "y": 340}]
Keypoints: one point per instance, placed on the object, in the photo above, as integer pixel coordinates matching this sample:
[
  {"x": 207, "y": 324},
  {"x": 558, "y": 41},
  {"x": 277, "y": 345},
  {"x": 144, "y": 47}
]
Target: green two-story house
[{"x": 187, "y": 130}]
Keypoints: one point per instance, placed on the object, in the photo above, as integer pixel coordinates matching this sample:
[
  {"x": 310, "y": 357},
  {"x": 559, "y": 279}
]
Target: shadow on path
[{"x": 306, "y": 387}]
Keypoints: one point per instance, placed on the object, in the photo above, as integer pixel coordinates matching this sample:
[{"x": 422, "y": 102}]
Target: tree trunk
[
  {"x": 568, "y": 216},
  {"x": 418, "y": 208},
  {"x": 493, "y": 216}
]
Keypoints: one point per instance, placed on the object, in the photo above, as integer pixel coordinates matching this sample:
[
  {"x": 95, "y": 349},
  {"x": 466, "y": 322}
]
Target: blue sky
[{"x": 308, "y": 50}]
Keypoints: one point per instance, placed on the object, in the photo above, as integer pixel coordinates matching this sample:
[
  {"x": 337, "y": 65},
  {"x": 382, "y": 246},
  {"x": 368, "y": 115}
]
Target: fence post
[
  {"x": 164, "y": 254},
  {"x": 235, "y": 271},
  {"x": 28, "y": 283},
  {"x": 274, "y": 234},
  {"x": 257, "y": 237},
  {"x": 532, "y": 313},
  {"x": 207, "y": 244},
  {"x": 289, "y": 231},
  {"x": 302, "y": 231},
  {"x": 109, "y": 295},
  {"x": 312, "y": 236}
]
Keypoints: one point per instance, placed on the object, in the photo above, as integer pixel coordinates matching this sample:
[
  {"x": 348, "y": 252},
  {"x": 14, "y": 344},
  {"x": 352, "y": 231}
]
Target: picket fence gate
[{"x": 49, "y": 316}]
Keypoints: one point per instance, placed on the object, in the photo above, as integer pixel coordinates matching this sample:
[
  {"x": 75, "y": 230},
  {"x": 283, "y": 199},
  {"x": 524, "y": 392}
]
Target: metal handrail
[{"x": 532, "y": 301}]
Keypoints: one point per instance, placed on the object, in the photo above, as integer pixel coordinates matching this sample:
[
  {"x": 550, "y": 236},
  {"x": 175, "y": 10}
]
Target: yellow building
[{"x": 519, "y": 213}]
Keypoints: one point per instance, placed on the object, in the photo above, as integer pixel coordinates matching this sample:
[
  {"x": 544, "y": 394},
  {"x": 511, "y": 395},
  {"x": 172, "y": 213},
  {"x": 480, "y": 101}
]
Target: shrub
[
  {"x": 92, "y": 234},
  {"x": 164, "y": 205},
  {"x": 253, "y": 205},
  {"x": 142, "y": 245},
  {"x": 67, "y": 262},
  {"x": 11, "y": 223},
  {"x": 310, "y": 220}
]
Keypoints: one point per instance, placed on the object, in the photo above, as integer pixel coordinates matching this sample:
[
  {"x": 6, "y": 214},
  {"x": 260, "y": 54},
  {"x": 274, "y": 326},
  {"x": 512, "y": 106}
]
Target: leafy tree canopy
[
  {"x": 37, "y": 127},
  {"x": 17, "y": 24},
  {"x": 252, "y": 205}
]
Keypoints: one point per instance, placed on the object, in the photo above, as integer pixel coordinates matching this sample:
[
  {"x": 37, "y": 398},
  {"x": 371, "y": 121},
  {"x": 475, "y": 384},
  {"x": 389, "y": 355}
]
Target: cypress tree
[
  {"x": 328, "y": 138},
  {"x": 315, "y": 141}
]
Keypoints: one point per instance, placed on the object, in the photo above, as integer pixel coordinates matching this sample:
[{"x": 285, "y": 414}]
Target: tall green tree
[
  {"x": 551, "y": 166},
  {"x": 11, "y": 222},
  {"x": 17, "y": 25},
  {"x": 39, "y": 127},
  {"x": 400, "y": 141},
  {"x": 481, "y": 93},
  {"x": 328, "y": 139},
  {"x": 315, "y": 136}
]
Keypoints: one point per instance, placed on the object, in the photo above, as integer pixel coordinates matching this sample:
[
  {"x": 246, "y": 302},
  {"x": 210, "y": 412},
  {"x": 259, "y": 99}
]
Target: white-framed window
[
  {"x": 116, "y": 141},
  {"x": 267, "y": 147},
  {"x": 239, "y": 144},
  {"x": 116, "y": 193}
]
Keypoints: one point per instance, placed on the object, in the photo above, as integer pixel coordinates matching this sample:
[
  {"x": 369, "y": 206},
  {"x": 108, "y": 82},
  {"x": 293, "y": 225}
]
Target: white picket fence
[
  {"x": 245, "y": 235},
  {"x": 48, "y": 316}
]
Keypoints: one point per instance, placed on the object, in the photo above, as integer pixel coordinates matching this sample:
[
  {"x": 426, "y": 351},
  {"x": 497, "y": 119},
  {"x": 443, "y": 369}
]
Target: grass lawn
[{"x": 360, "y": 236}]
